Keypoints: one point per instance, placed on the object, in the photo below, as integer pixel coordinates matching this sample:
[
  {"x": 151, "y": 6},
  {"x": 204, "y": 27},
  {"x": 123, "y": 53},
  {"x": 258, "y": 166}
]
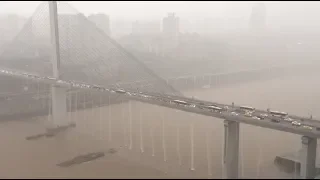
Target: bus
[
  {"x": 279, "y": 114},
  {"x": 247, "y": 108},
  {"x": 214, "y": 108}
]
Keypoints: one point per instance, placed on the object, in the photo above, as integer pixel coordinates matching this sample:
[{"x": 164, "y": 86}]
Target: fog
[
  {"x": 154, "y": 55},
  {"x": 287, "y": 14}
]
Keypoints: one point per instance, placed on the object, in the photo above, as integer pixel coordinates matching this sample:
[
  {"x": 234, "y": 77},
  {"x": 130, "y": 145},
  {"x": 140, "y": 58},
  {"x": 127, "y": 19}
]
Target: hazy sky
[{"x": 302, "y": 12}]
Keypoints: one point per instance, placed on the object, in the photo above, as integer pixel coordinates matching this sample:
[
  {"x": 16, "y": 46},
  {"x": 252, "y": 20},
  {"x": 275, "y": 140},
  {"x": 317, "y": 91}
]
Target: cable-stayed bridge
[{"x": 98, "y": 63}]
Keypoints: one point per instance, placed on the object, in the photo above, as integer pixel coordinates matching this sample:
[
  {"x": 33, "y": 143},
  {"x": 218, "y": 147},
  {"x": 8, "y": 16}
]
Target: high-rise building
[
  {"x": 258, "y": 16},
  {"x": 170, "y": 25},
  {"x": 102, "y": 21},
  {"x": 170, "y": 29}
]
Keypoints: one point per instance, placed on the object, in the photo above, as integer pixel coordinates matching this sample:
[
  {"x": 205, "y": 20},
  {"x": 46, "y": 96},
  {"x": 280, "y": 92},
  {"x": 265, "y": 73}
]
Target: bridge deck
[{"x": 267, "y": 123}]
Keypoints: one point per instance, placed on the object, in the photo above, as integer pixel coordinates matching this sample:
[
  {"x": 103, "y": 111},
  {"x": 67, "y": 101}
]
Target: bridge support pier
[
  {"x": 59, "y": 106},
  {"x": 59, "y": 95},
  {"x": 59, "y": 111},
  {"x": 308, "y": 157},
  {"x": 231, "y": 149}
]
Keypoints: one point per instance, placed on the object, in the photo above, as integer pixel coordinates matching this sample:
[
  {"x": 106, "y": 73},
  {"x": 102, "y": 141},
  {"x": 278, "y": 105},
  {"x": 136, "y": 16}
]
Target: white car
[
  {"x": 296, "y": 123},
  {"x": 145, "y": 96},
  {"x": 307, "y": 127},
  {"x": 128, "y": 93},
  {"x": 52, "y": 78},
  {"x": 193, "y": 105},
  {"x": 288, "y": 119},
  {"x": 248, "y": 114},
  {"x": 256, "y": 118},
  {"x": 234, "y": 114},
  {"x": 120, "y": 91}
]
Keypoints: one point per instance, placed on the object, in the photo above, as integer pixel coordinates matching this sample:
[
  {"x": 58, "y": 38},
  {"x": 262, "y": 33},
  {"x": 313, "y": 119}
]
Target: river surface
[{"x": 161, "y": 141}]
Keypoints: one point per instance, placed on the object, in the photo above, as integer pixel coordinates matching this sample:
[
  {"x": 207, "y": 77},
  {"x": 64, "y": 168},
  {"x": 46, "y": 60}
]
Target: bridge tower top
[{"x": 54, "y": 33}]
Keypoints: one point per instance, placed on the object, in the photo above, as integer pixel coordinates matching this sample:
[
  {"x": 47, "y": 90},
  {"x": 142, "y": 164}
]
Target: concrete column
[
  {"x": 231, "y": 149},
  {"x": 308, "y": 157},
  {"x": 59, "y": 107},
  {"x": 59, "y": 97}
]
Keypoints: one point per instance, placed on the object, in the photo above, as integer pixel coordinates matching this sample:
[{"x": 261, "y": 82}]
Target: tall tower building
[
  {"x": 258, "y": 16},
  {"x": 170, "y": 30},
  {"x": 170, "y": 25},
  {"x": 102, "y": 21}
]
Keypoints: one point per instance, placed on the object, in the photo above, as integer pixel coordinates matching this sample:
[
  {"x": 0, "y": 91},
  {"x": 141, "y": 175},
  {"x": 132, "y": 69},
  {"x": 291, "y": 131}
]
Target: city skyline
[{"x": 279, "y": 11}]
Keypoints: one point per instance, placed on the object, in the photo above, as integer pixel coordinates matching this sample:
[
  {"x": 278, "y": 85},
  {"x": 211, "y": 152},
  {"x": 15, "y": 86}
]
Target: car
[
  {"x": 128, "y": 93},
  {"x": 145, "y": 96},
  {"x": 96, "y": 87},
  {"x": 234, "y": 114},
  {"x": 52, "y": 78},
  {"x": 275, "y": 119},
  {"x": 193, "y": 105},
  {"x": 296, "y": 123},
  {"x": 262, "y": 116},
  {"x": 181, "y": 102},
  {"x": 288, "y": 119},
  {"x": 248, "y": 114},
  {"x": 256, "y": 118},
  {"x": 120, "y": 91},
  {"x": 102, "y": 89},
  {"x": 307, "y": 127}
]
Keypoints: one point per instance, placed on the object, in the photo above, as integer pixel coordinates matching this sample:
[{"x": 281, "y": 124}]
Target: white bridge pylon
[{"x": 59, "y": 95}]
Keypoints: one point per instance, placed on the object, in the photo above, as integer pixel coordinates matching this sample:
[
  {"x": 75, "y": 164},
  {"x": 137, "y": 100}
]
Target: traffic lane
[
  {"x": 302, "y": 120},
  {"x": 169, "y": 98},
  {"x": 237, "y": 110},
  {"x": 278, "y": 119},
  {"x": 305, "y": 120},
  {"x": 225, "y": 115},
  {"x": 270, "y": 120},
  {"x": 282, "y": 120},
  {"x": 267, "y": 123}
]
